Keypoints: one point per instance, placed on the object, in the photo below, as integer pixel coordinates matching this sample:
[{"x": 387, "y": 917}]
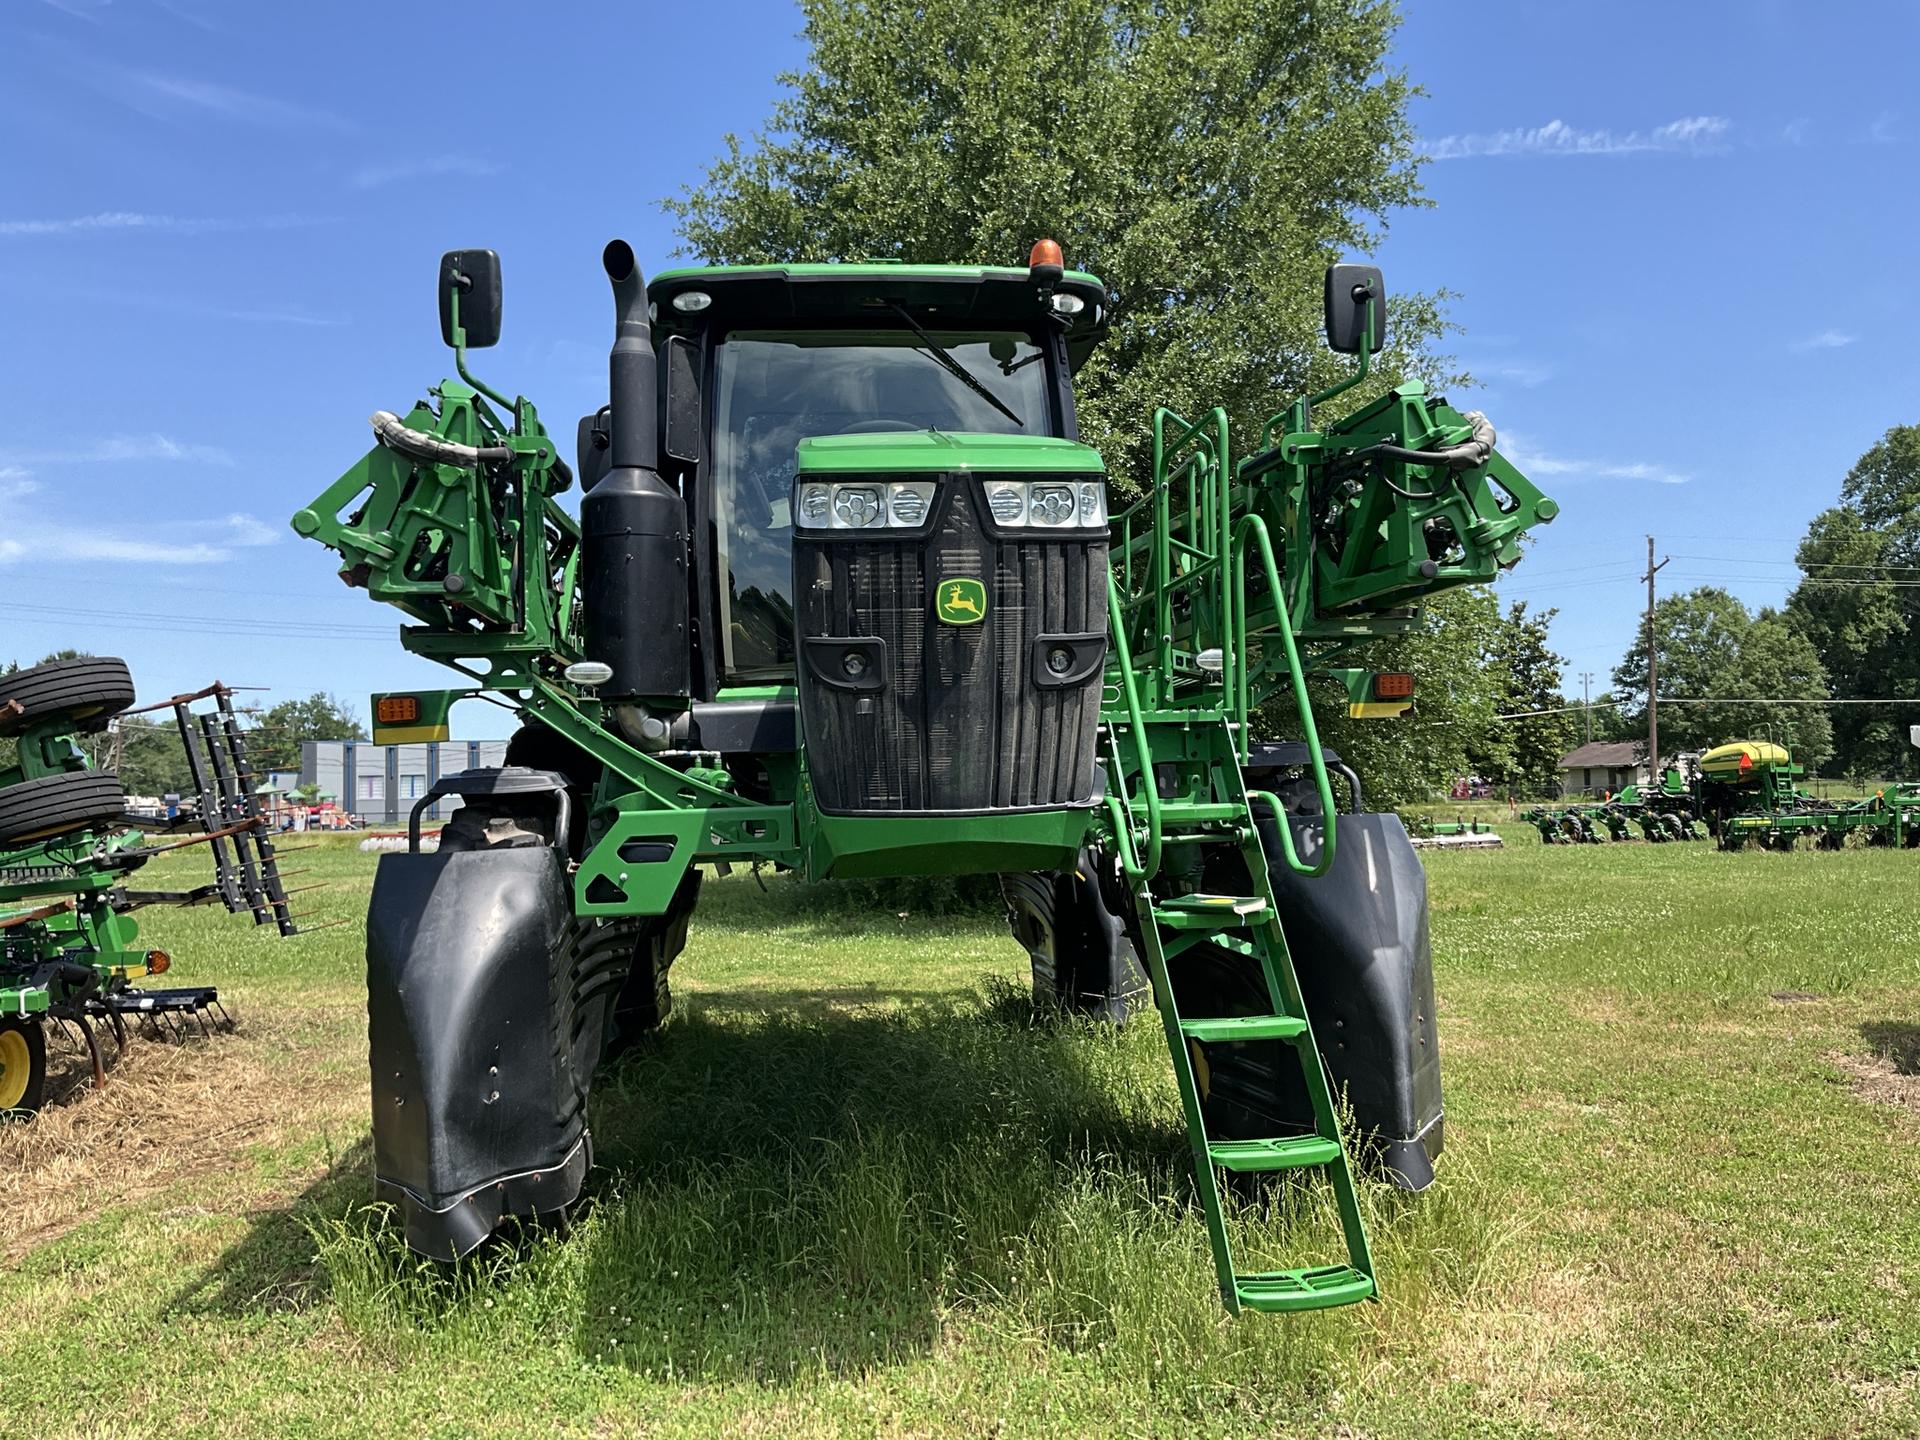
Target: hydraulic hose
[
  {"x": 421, "y": 446},
  {"x": 1474, "y": 451}
]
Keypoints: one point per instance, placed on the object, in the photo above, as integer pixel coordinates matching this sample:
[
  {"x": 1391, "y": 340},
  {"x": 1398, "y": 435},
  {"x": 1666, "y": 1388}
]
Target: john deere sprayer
[{"x": 846, "y": 596}]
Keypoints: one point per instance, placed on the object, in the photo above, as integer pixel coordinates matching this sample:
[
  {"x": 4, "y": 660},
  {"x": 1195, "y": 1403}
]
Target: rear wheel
[
  {"x": 58, "y": 804},
  {"x": 23, "y": 1068},
  {"x": 87, "y": 691}
]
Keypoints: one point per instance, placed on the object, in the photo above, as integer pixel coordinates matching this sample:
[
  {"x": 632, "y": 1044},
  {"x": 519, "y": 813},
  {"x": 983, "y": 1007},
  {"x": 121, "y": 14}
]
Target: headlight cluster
[
  {"x": 906, "y": 504},
  {"x": 1048, "y": 504},
  {"x": 863, "y": 505}
]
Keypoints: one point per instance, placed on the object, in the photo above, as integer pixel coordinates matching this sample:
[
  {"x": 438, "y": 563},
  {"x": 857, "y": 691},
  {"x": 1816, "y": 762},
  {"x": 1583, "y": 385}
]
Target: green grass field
[{"x": 857, "y": 1187}]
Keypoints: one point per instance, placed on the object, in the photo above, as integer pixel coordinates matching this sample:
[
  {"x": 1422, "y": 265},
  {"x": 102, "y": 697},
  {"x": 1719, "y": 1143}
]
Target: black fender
[
  {"x": 486, "y": 1014},
  {"x": 1361, "y": 947}
]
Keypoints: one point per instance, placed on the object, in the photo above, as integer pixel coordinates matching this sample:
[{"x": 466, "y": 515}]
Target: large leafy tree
[
  {"x": 1859, "y": 604},
  {"x": 274, "y": 744},
  {"x": 1523, "y": 756},
  {"x": 1206, "y": 158},
  {"x": 1712, "y": 649}
]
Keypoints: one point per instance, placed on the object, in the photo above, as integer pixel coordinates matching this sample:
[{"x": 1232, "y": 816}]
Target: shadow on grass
[
  {"x": 781, "y": 1195},
  {"x": 789, "y": 1190},
  {"x": 1897, "y": 1041},
  {"x": 274, "y": 1268}
]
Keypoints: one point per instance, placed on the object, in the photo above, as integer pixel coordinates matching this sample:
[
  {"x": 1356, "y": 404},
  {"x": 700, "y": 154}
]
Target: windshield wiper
[{"x": 936, "y": 352}]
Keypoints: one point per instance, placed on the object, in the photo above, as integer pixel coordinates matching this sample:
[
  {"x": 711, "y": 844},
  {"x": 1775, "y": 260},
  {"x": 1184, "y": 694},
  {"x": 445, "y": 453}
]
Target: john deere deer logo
[{"x": 961, "y": 602}]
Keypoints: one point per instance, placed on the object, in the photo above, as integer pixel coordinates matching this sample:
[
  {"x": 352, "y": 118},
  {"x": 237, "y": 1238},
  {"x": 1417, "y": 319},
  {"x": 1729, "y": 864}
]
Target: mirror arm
[
  {"x": 1366, "y": 356},
  {"x": 460, "y": 357}
]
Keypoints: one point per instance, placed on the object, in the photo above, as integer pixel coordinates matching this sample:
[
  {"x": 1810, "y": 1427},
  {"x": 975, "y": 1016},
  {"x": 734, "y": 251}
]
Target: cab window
[{"x": 774, "y": 389}]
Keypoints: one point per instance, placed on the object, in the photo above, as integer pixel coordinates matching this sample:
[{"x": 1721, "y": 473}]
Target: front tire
[{"x": 23, "y": 1068}]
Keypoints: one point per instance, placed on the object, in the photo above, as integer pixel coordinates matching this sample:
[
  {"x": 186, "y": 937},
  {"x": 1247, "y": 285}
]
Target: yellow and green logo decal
[{"x": 961, "y": 601}]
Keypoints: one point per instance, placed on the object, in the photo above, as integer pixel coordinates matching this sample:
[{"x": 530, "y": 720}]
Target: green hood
[{"x": 891, "y": 452}]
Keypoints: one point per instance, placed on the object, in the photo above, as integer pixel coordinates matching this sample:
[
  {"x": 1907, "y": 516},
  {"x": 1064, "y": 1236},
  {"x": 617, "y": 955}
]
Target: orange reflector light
[
  {"x": 1393, "y": 685},
  {"x": 158, "y": 962},
  {"x": 1746, "y": 761},
  {"x": 398, "y": 710},
  {"x": 1046, "y": 252}
]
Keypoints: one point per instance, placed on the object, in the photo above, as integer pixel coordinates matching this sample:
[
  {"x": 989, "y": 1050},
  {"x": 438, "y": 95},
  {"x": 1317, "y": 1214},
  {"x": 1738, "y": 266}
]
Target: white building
[{"x": 378, "y": 784}]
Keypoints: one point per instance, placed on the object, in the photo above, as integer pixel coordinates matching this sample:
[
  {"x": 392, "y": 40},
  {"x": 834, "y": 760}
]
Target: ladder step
[
  {"x": 1318, "y": 1289},
  {"x": 1230, "y": 1028},
  {"x": 1209, "y": 912},
  {"x": 1291, "y": 1153},
  {"x": 1189, "y": 812}
]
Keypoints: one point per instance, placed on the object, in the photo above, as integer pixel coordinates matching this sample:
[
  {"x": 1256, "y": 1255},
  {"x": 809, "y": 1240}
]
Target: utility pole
[
  {"x": 1586, "y": 701},
  {"x": 1653, "y": 671}
]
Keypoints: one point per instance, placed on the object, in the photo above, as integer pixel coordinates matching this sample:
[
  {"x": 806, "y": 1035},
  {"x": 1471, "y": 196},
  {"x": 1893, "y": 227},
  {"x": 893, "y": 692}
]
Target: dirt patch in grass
[
  {"x": 171, "y": 1112},
  {"x": 1879, "y": 1078},
  {"x": 1521, "y": 1351}
]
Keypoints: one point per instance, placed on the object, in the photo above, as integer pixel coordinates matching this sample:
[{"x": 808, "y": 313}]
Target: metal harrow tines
[{"x": 177, "y": 1014}]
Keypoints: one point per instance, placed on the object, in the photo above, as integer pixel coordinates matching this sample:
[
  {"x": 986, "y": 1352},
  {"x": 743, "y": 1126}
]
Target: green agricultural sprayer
[
  {"x": 70, "y": 954},
  {"x": 845, "y": 596},
  {"x": 1750, "y": 792}
]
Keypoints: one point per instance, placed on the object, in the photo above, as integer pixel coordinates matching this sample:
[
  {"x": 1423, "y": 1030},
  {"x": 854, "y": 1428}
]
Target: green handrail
[
  {"x": 1253, "y": 528},
  {"x": 1136, "y": 869}
]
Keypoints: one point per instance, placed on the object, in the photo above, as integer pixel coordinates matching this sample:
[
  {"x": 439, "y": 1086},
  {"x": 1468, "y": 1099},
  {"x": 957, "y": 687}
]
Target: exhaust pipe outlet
[
  {"x": 641, "y": 727},
  {"x": 632, "y": 383},
  {"x": 633, "y": 564}
]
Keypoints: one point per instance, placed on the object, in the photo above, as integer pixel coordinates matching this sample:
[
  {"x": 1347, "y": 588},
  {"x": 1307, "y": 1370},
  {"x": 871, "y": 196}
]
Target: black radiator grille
[{"x": 956, "y": 720}]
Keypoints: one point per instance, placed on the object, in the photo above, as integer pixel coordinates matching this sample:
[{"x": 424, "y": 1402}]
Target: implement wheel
[
  {"x": 23, "y": 1068},
  {"x": 60, "y": 804},
  {"x": 88, "y": 692}
]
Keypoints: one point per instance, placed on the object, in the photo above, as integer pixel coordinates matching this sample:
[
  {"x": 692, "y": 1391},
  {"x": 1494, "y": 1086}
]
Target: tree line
[{"x": 1850, "y": 630}]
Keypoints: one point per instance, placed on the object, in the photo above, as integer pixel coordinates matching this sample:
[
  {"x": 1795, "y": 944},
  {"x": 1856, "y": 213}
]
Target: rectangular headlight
[
  {"x": 1064, "y": 504},
  {"x": 863, "y": 504}
]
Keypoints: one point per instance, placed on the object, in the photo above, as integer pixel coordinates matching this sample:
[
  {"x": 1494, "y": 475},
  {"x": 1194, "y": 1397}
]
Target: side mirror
[
  {"x": 682, "y": 379},
  {"x": 473, "y": 276},
  {"x": 1356, "y": 304}
]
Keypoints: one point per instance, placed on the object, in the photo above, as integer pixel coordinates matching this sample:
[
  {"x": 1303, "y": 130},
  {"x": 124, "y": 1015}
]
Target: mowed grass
[{"x": 858, "y": 1187}]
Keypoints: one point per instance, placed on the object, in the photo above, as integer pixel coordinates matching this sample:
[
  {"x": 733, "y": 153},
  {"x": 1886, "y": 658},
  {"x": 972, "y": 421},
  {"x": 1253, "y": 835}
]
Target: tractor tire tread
[
  {"x": 59, "y": 804},
  {"x": 89, "y": 691}
]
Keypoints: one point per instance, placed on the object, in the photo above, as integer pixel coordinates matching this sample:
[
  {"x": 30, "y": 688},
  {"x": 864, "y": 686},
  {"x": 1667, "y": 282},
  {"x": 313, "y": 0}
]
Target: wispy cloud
[
  {"x": 1824, "y": 340},
  {"x": 155, "y": 93},
  {"x": 1885, "y": 130},
  {"x": 1795, "y": 132},
  {"x": 431, "y": 167},
  {"x": 26, "y": 533},
  {"x": 1534, "y": 462},
  {"x": 79, "y": 9},
  {"x": 117, "y": 449},
  {"x": 191, "y": 17},
  {"x": 1693, "y": 135},
  {"x": 106, "y": 221}
]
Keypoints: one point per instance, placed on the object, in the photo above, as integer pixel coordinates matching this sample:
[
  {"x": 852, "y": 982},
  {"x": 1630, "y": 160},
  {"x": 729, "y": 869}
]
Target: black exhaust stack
[{"x": 633, "y": 525}]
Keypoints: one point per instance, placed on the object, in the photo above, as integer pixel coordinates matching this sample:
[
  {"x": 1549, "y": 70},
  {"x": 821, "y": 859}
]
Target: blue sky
[{"x": 1680, "y": 239}]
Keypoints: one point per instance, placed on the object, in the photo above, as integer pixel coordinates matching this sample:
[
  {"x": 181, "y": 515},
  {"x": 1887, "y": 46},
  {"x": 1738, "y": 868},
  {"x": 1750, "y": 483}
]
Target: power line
[
  {"x": 207, "y": 624},
  {"x": 1704, "y": 700}
]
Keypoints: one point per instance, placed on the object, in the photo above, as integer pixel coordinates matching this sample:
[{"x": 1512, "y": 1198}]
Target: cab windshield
[{"x": 773, "y": 389}]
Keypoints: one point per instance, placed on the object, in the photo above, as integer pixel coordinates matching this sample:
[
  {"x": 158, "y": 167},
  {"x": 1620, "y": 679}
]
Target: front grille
[{"x": 947, "y": 718}]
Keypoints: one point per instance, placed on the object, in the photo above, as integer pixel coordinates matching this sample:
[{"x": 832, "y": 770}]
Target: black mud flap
[
  {"x": 1077, "y": 940},
  {"x": 485, "y": 1021},
  {"x": 1360, "y": 945}
]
